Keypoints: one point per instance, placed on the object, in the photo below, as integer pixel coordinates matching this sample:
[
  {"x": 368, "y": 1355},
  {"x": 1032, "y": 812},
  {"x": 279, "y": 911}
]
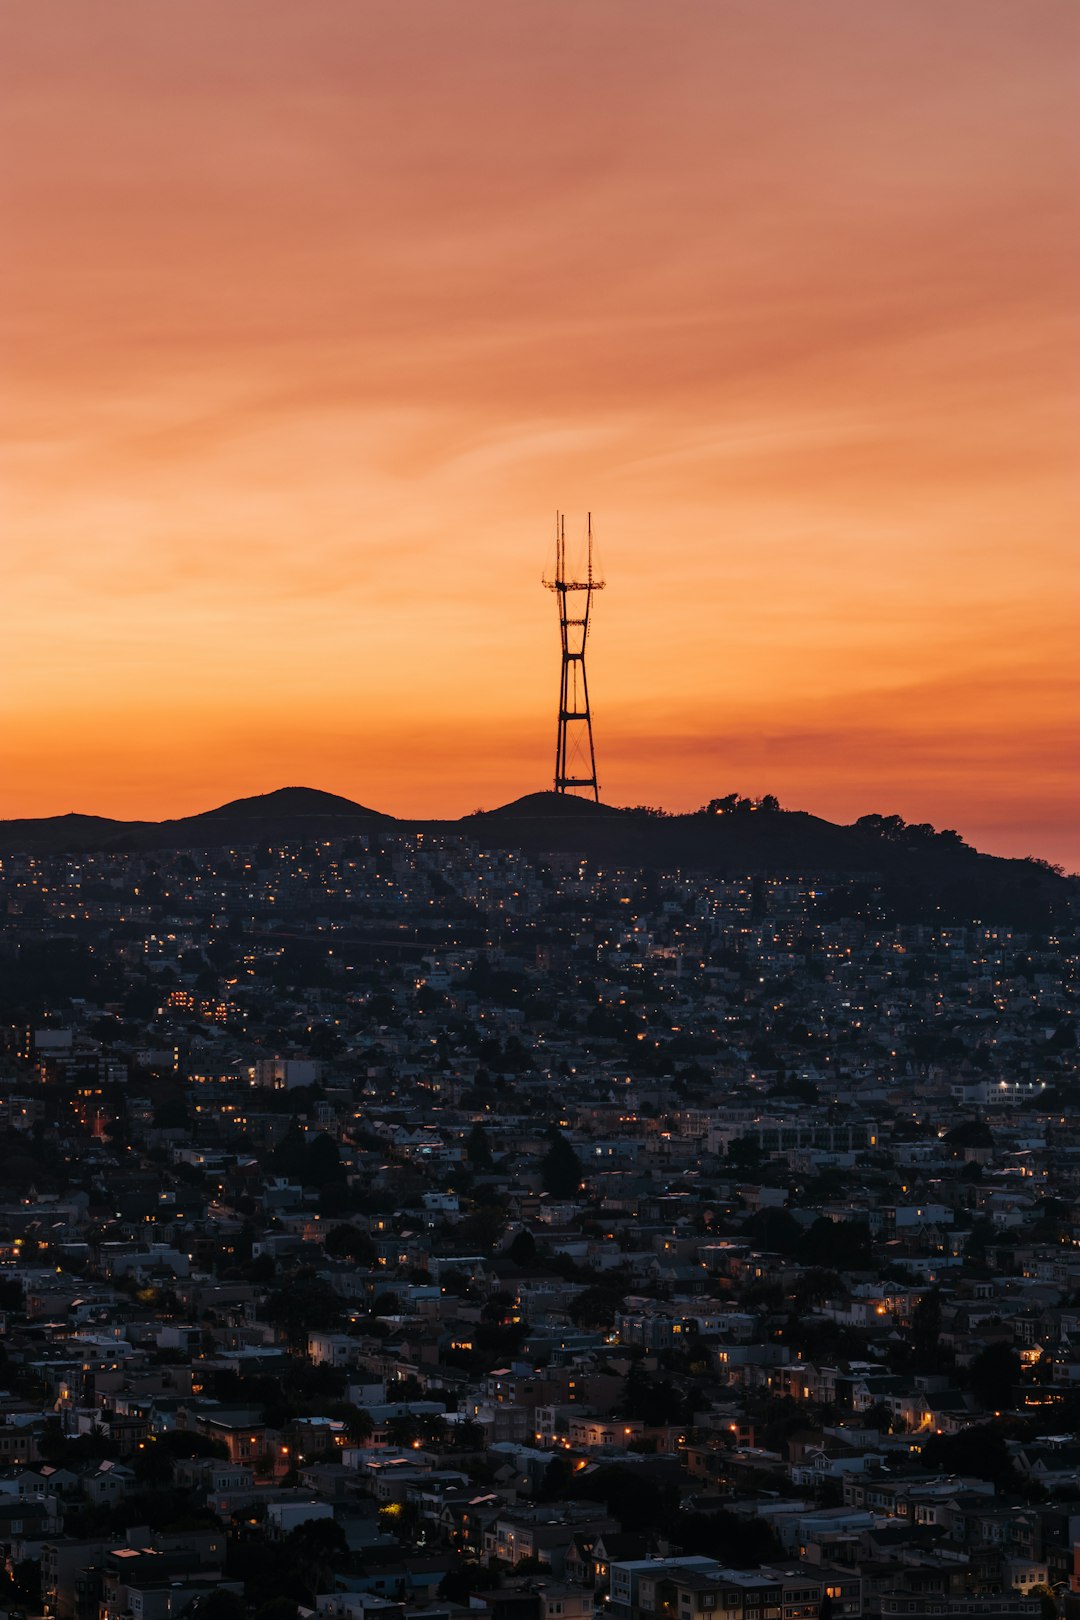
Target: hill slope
[
  {"x": 888, "y": 869},
  {"x": 284, "y": 815},
  {"x": 919, "y": 874}
]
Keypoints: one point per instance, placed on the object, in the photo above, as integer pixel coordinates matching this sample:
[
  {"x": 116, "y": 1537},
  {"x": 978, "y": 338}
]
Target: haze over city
[{"x": 317, "y": 313}]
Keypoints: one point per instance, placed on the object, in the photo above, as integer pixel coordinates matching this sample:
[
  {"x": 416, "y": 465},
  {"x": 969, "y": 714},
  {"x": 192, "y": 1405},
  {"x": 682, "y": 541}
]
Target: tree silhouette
[
  {"x": 560, "y": 1167},
  {"x": 994, "y": 1373},
  {"x": 478, "y": 1148},
  {"x": 347, "y": 1242}
]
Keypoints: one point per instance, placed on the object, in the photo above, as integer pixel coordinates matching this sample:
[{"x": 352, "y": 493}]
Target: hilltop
[
  {"x": 918, "y": 871},
  {"x": 286, "y": 813}
]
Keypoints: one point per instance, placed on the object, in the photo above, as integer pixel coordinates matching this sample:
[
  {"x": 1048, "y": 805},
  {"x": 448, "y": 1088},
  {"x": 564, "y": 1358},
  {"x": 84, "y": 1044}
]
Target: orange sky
[{"x": 314, "y": 313}]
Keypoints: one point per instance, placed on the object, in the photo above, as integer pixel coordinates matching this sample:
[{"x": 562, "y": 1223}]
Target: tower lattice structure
[{"x": 575, "y": 757}]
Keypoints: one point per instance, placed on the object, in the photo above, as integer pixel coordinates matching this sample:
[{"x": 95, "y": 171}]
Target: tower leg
[{"x": 575, "y": 734}]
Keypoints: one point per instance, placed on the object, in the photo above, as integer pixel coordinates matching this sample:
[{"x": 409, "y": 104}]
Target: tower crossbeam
[{"x": 575, "y": 736}]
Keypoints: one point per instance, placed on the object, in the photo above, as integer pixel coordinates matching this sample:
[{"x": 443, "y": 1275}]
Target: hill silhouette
[
  {"x": 286, "y": 801},
  {"x": 284, "y": 815},
  {"x": 76, "y": 832},
  {"x": 906, "y": 872},
  {"x": 544, "y": 806},
  {"x": 885, "y": 867}
]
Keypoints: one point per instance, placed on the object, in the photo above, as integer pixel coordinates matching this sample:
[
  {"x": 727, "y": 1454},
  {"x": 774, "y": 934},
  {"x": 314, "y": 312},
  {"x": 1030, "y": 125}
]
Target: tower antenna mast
[{"x": 575, "y": 757}]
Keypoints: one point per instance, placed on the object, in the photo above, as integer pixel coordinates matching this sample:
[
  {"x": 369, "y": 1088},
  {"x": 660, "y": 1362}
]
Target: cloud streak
[{"x": 316, "y": 314}]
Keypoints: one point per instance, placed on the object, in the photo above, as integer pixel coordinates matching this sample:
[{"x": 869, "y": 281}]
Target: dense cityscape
[
  {"x": 396, "y": 1228},
  {"x": 521, "y": 1178}
]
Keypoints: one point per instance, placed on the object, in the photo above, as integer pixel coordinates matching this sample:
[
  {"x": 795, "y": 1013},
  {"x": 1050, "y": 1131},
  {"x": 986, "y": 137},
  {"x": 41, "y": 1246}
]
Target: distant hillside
[
  {"x": 921, "y": 874},
  {"x": 49, "y": 835},
  {"x": 286, "y": 801},
  {"x": 541, "y": 807},
  {"x": 888, "y": 869},
  {"x": 286, "y": 814}
]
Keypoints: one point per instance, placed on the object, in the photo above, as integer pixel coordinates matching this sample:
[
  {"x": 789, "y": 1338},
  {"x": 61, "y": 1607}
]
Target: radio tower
[{"x": 575, "y": 760}]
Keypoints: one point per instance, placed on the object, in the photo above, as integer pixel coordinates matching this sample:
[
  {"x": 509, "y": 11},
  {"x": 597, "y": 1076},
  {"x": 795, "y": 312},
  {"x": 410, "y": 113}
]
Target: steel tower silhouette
[{"x": 575, "y": 758}]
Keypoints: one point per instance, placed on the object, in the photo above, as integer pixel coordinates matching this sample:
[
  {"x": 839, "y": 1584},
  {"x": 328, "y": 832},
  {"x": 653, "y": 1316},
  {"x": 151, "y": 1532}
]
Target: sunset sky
[{"x": 316, "y": 310}]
